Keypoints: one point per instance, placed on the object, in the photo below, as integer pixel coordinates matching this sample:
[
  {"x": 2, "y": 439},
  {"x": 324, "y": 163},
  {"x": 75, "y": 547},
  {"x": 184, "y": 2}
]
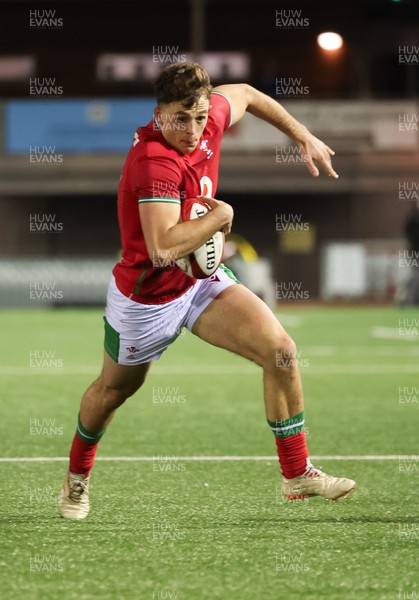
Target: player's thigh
[
  {"x": 123, "y": 377},
  {"x": 241, "y": 322}
]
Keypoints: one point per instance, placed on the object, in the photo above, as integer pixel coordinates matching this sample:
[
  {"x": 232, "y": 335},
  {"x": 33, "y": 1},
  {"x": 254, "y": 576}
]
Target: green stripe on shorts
[
  {"x": 111, "y": 341},
  {"x": 139, "y": 280},
  {"x": 228, "y": 272}
]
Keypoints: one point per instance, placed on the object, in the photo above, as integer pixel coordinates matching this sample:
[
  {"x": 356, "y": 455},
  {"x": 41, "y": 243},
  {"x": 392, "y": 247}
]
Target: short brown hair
[{"x": 182, "y": 82}]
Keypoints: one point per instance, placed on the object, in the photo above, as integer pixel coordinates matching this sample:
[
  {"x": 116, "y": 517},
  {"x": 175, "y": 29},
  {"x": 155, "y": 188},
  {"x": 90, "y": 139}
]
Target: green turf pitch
[{"x": 171, "y": 527}]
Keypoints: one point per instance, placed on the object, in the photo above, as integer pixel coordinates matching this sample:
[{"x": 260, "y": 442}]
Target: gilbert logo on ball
[{"x": 207, "y": 258}]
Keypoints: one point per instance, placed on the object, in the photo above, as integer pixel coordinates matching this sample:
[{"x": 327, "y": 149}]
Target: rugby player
[{"x": 150, "y": 299}]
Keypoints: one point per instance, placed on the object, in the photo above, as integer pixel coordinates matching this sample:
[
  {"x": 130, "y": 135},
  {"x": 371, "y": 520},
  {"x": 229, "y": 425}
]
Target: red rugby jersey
[{"x": 156, "y": 172}]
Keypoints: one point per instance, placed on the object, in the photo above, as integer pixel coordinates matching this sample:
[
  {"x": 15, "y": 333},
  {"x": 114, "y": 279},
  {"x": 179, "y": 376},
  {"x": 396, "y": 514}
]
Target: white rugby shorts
[{"x": 137, "y": 333}]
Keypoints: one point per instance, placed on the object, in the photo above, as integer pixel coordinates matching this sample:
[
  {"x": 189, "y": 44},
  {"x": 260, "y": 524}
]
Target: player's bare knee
[
  {"x": 113, "y": 394},
  {"x": 286, "y": 354},
  {"x": 280, "y": 353},
  {"x": 114, "y": 397}
]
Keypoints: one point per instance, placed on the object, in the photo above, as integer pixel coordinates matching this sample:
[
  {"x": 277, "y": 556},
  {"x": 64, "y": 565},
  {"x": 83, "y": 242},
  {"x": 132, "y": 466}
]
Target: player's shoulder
[
  {"x": 220, "y": 109},
  {"x": 218, "y": 96},
  {"x": 149, "y": 143},
  {"x": 218, "y": 101}
]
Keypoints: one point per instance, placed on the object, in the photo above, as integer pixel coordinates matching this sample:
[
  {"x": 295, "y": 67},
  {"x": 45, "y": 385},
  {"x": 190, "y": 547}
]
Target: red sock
[
  {"x": 82, "y": 456},
  {"x": 293, "y": 454}
]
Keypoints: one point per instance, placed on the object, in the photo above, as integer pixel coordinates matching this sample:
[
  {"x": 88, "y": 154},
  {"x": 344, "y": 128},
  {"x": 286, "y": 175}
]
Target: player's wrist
[{"x": 301, "y": 134}]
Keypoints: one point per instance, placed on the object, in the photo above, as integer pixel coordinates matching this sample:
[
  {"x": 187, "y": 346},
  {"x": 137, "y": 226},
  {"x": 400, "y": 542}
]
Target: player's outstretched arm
[{"x": 245, "y": 98}]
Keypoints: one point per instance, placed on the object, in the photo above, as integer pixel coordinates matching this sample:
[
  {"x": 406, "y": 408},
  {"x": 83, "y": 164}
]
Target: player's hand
[
  {"x": 312, "y": 149},
  {"x": 224, "y": 210}
]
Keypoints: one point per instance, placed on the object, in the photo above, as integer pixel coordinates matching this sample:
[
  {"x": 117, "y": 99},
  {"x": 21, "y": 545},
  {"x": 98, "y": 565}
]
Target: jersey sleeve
[
  {"x": 157, "y": 179},
  {"x": 221, "y": 110}
]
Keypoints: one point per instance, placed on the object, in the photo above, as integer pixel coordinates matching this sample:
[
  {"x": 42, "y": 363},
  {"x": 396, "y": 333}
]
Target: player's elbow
[
  {"x": 160, "y": 254},
  {"x": 244, "y": 96},
  {"x": 250, "y": 94},
  {"x": 161, "y": 251}
]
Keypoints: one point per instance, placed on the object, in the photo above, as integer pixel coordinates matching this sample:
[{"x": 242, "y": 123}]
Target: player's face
[{"x": 182, "y": 127}]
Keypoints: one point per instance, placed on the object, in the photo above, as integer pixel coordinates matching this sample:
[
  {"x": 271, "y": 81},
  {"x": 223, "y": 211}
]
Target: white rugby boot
[
  {"x": 313, "y": 482},
  {"x": 73, "y": 501}
]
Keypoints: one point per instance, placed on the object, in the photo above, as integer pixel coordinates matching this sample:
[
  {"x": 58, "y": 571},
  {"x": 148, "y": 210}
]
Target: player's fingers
[
  {"x": 327, "y": 165},
  {"x": 211, "y": 202},
  {"x": 310, "y": 165}
]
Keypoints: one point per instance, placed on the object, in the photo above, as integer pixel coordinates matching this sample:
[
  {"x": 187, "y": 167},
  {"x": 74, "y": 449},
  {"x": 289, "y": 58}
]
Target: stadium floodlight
[{"x": 330, "y": 41}]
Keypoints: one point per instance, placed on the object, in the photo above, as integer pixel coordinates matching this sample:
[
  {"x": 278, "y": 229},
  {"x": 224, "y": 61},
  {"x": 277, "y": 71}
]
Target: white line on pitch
[
  {"x": 363, "y": 369},
  {"x": 392, "y": 333},
  {"x": 366, "y": 457},
  {"x": 289, "y": 320}
]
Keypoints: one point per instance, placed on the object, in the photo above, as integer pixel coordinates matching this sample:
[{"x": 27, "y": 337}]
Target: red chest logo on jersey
[{"x": 204, "y": 147}]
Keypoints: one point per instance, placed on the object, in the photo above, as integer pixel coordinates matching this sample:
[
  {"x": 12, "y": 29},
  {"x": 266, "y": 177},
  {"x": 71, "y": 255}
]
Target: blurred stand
[
  {"x": 363, "y": 271},
  {"x": 250, "y": 269},
  {"x": 61, "y": 159},
  {"x": 411, "y": 230},
  {"x": 54, "y": 282}
]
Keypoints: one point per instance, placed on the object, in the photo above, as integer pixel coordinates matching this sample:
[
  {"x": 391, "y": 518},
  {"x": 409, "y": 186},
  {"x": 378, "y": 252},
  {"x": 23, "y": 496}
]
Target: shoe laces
[
  {"x": 312, "y": 471},
  {"x": 77, "y": 487}
]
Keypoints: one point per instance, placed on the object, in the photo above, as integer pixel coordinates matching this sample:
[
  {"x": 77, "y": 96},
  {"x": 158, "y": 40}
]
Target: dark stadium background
[{"x": 361, "y": 205}]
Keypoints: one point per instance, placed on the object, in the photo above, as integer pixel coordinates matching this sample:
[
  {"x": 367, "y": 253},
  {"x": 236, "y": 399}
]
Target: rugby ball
[{"x": 207, "y": 258}]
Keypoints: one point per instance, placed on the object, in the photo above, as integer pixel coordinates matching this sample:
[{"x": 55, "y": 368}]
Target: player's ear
[{"x": 157, "y": 114}]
